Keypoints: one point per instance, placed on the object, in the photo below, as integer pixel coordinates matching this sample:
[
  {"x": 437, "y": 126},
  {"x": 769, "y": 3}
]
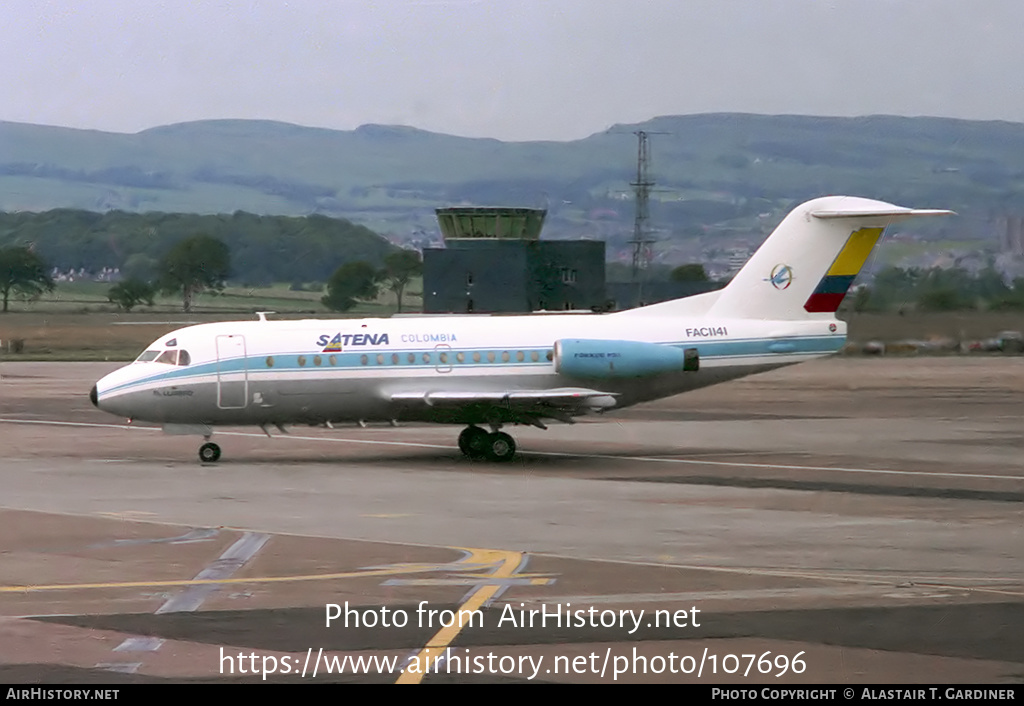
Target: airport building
[{"x": 494, "y": 261}]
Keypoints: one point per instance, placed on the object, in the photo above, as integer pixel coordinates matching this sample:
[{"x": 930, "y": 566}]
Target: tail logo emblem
[{"x": 782, "y": 276}]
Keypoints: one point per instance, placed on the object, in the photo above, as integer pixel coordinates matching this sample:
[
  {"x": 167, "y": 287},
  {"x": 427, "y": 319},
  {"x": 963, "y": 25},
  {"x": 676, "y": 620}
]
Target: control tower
[
  {"x": 498, "y": 223},
  {"x": 495, "y": 261}
]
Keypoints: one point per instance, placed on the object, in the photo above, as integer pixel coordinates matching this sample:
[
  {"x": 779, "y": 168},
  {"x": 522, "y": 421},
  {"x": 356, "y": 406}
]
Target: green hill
[{"x": 712, "y": 170}]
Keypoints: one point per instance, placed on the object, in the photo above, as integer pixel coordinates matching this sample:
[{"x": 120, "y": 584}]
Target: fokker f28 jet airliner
[{"x": 488, "y": 371}]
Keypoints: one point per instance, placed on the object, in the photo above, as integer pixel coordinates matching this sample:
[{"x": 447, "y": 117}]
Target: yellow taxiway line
[{"x": 505, "y": 563}]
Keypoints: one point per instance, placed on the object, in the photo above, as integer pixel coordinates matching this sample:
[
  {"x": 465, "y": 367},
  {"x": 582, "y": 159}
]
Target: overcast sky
[{"x": 510, "y": 69}]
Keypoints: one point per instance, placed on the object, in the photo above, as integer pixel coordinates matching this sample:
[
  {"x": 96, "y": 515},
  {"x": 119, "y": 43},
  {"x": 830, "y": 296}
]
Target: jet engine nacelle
[{"x": 589, "y": 358}]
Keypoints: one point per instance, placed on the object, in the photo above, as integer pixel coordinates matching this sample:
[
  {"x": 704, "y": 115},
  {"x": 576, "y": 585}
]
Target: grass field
[
  {"x": 76, "y": 322},
  {"x": 91, "y": 297}
]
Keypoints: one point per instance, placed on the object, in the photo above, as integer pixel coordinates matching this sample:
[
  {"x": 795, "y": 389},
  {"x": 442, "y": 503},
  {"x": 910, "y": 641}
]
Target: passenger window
[
  {"x": 504, "y": 357},
  {"x": 184, "y": 358},
  {"x": 476, "y": 357},
  {"x": 168, "y": 357},
  {"x": 534, "y": 356},
  {"x": 520, "y": 356},
  {"x": 412, "y": 358}
]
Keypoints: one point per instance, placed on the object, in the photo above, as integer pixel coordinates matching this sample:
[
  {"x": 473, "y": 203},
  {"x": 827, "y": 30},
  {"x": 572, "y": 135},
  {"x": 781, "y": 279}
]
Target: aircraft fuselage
[{"x": 316, "y": 371}]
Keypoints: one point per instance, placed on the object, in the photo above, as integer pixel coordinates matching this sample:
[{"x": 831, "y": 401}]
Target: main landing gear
[
  {"x": 209, "y": 453},
  {"x": 477, "y": 443}
]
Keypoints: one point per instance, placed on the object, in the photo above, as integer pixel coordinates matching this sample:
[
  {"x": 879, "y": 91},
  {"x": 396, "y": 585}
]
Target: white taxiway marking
[
  {"x": 192, "y": 597},
  {"x": 560, "y": 454},
  {"x": 229, "y": 562}
]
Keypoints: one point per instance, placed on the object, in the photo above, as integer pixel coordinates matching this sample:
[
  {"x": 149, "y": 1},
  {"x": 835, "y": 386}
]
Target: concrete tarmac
[{"x": 842, "y": 521}]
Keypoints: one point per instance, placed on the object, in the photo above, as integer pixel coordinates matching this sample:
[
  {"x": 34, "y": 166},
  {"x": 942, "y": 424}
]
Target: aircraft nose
[{"x": 94, "y": 397}]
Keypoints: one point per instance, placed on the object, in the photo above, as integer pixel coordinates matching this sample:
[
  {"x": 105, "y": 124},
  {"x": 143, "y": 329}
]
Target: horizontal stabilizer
[{"x": 894, "y": 213}]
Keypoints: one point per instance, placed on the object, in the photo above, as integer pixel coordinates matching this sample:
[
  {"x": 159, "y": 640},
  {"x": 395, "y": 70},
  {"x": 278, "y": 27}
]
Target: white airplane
[{"x": 497, "y": 370}]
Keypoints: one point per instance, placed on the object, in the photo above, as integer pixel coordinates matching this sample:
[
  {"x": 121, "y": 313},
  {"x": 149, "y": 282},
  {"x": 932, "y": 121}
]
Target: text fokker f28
[{"x": 486, "y": 372}]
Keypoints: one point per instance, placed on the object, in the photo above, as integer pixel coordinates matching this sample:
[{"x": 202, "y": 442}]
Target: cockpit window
[{"x": 171, "y": 357}]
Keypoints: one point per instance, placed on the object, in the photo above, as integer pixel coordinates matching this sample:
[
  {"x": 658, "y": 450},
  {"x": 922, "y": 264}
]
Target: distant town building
[
  {"x": 1012, "y": 235},
  {"x": 107, "y": 274}
]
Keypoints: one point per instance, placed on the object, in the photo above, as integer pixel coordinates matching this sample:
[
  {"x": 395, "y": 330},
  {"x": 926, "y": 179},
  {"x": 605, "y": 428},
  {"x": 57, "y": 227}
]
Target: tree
[
  {"x": 22, "y": 272},
  {"x": 351, "y": 281},
  {"x": 399, "y": 268},
  {"x": 130, "y": 293},
  {"x": 944, "y": 290},
  {"x": 689, "y": 273},
  {"x": 140, "y": 266},
  {"x": 894, "y": 288},
  {"x": 193, "y": 265},
  {"x": 862, "y": 299}
]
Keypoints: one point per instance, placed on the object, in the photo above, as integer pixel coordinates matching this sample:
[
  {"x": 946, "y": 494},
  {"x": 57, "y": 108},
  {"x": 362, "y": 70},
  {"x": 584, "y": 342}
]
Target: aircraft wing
[{"x": 556, "y": 402}]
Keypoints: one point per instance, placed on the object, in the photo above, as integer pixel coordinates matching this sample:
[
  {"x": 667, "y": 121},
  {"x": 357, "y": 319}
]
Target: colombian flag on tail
[{"x": 829, "y": 293}]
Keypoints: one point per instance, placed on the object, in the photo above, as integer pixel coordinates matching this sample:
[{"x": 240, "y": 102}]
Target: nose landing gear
[
  {"x": 209, "y": 453},
  {"x": 477, "y": 443}
]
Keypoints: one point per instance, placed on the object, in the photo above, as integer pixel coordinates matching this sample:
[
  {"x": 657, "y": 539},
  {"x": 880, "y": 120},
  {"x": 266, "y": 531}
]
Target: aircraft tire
[
  {"x": 473, "y": 442},
  {"x": 500, "y": 447},
  {"x": 209, "y": 453}
]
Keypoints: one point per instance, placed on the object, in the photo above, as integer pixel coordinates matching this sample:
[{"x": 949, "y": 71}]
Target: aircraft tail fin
[{"x": 806, "y": 266}]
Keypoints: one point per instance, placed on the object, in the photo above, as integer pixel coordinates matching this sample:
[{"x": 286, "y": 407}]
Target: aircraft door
[{"x": 232, "y": 372}]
